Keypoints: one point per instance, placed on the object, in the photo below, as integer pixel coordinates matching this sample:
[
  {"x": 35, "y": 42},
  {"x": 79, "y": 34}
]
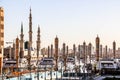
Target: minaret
[
  {"x": 21, "y": 42},
  {"x": 38, "y": 42},
  {"x": 30, "y": 28},
  {"x": 30, "y": 38},
  {"x": 38, "y": 46},
  {"x": 114, "y": 49},
  {"x": 56, "y": 52},
  {"x": 97, "y": 48}
]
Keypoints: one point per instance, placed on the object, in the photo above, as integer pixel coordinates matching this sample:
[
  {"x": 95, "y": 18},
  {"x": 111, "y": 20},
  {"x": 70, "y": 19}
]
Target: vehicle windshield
[{"x": 107, "y": 64}]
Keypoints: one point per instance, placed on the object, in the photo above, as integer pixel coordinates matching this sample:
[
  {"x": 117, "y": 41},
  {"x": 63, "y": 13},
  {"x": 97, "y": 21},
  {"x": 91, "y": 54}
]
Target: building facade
[
  {"x": 97, "y": 48},
  {"x": 1, "y": 37},
  {"x": 56, "y": 52}
]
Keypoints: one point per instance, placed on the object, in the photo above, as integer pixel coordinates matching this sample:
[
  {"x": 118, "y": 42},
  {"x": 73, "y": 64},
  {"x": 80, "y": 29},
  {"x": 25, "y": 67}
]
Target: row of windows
[
  {"x": 2, "y": 18},
  {"x": 1, "y": 14},
  {"x": 2, "y": 42},
  {"x": 2, "y": 31},
  {"x": 1, "y": 34},
  {"x": 34, "y": 57},
  {"x": 1, "y": 9},
  {"x": 0, "y": 64},
  {"x": 2, "y": 39},
  {"x": 47, "y": 66},
  {"x": 2, "y": 25}
]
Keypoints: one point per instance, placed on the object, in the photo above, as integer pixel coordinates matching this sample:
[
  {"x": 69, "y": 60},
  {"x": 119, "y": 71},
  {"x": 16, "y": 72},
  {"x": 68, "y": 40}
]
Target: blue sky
[{"x": 73, "y": 21}]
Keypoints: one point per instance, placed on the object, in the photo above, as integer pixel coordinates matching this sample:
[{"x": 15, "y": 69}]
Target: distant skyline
[{"x": 73, "y": 21}]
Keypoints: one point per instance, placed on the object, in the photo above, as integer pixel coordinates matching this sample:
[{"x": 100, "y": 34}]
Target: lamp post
[
  {"x": 20, "y": 69},
  {"x": 51, "y": 72},
  {"x": 56, "y": 75},
  {"x": 84, "y": 58},
  {"x": 69, "y": 73},
  {"x": 61, "y": 70},
  {"x": 45, "y": 72},
  {"x": 79, "y": 59}
]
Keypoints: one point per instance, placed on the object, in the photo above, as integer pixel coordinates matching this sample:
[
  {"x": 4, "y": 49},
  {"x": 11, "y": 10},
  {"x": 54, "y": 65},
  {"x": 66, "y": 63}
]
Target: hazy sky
[{"x": 73, "y": 21}]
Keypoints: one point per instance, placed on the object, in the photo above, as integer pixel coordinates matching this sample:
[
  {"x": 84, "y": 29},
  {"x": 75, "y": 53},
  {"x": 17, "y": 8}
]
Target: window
[
  {"x": 0, "y": 64},
  {"x": 2, "y": 18},
  {"x": 2, "y": 42},
  {"x": 28, "y": 78},
  {"x": 2, "y": 26},
  {"x": 0, "y": 51},
  {"x": 2, "y": 34},
  {"x": 1, "y": 12}
]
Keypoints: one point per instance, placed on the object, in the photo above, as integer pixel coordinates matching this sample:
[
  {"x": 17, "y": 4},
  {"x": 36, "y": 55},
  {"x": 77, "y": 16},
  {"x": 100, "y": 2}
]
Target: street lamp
[
  {"x": 79, "y": 59},
  {"x": 45, "y": 72},
  {"x": 37, "y": 69},
  {"x": 51, "y": 72},
  {"x": 61, "y": 70},
  {"x": 38, "y": 72},
  {"x": 56, "y": 74},
  {"x": 69, "y": 73}
]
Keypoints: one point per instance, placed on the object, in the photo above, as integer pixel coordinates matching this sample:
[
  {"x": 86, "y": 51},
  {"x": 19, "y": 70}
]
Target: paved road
[{"x": 102, "y": 77}]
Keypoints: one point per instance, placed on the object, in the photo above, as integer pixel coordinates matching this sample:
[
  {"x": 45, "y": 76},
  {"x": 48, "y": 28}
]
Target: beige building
[{"x": 1, "y": 37}]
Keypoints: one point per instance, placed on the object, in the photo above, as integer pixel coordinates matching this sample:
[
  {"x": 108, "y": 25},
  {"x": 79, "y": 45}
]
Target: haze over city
[
  {"x": 60, "y": 40},
  {"x": 73, "y": 21}
]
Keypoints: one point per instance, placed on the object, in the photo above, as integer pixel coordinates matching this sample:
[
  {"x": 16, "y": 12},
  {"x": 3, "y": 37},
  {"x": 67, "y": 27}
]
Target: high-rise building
[
  {"x": 51, "y": 50},
  {"x": 13, "y": 55},
  {"x": 79, "y": 52},
  {"x": 89, "y": 51},
  {"x": 67, "y": 50},
  {"x": 64, "y": 55},
  {"x": 21, "y": 42},
  {"x": 56, "y": 52},
  {"x": 114, "y": 49},
  {"x": 97, "y": 48},
  {"x": 48, "y": 51},
  {"x": 17, "y": 50},
  {"x": 106, "y": 55},
  {"x": 84, "y": 52},
  {"x": 74, "y": 51},
  {"x": 101, "y": 54},
  {"x": 1, "y": 37}
]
